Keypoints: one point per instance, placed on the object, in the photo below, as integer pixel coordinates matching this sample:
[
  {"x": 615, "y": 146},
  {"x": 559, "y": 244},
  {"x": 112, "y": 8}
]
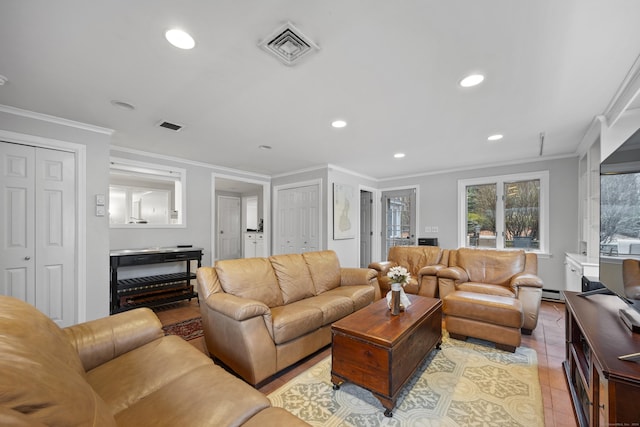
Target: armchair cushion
[
  {"x": 496, "y": 267},
  {"x": 417, "y": 260}
]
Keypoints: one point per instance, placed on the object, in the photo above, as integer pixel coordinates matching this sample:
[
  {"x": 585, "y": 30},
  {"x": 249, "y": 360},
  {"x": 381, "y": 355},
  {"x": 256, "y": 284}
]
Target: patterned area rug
[
  {"x": 187, "y": 329},
  {"x": 462, "y": 384}
]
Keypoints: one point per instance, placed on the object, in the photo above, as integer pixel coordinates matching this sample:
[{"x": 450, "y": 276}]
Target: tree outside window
[
  {"x": 503, "y": 212},
  {"x": 522, "y": 214},
  {"x": 619, "y": 214},
  {"x": 481, "y": 215}
]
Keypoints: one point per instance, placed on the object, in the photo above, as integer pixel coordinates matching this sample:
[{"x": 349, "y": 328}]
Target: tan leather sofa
[
  {"x": 120, "y": 370},
  {"x": 261, "y": 315},
  {"x": 422, "y": 262},
  {"x": 508, "y": 273}
]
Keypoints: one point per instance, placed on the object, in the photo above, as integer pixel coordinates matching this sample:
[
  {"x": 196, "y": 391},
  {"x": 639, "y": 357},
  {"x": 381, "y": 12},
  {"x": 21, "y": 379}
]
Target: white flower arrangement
[{"x": 399, "y": 275}]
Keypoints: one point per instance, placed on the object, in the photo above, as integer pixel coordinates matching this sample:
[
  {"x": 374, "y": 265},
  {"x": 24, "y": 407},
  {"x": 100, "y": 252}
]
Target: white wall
[
  {"x": 348, "y": 250},
  {"x": 199, "y": 218},
  {"x": 438, "y": 206},
  {"x": 96, "y": 258}
]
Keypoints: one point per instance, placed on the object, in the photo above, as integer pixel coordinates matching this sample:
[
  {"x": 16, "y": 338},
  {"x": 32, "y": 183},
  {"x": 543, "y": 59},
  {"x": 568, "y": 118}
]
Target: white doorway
[
  {"x": 38, "y": 251},
  {"x": 229, "y": 234},
  {"x": 233, "y": 186},
  {"x": 399, "y": 209},
  {"x": 366, "y": 228}
]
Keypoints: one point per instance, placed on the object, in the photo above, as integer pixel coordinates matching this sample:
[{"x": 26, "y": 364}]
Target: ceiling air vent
[
  {"x": 288, "y": 44},
  {"x": 170, "y": 126}
]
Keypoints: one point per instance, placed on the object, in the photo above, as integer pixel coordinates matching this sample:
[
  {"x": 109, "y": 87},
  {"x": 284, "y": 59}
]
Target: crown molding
[
  {"x": 190, "y": 162},
  {"x": 56, "y": 120},
  {"x": 592, "y": 134},
  {"x": 481, "y": 166},
  {"x": 625, "y": 95},
  {"x": 349, "y": 172}
]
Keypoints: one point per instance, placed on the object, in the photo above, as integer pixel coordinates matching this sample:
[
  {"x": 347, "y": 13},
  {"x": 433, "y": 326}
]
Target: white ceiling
[{"x": 390, "y": 68}]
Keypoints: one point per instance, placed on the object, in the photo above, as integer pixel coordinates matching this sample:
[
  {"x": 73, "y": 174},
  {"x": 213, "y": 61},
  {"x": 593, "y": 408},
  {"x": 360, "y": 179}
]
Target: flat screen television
[{"x": 620, "y": 223}]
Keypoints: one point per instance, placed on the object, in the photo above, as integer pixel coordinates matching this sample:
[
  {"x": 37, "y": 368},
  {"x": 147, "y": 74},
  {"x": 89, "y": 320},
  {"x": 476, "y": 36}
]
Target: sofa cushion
[
  {"x": 332, "y": 305},
  {"x": 324, "y": 267},
  {"x": 131, "y": 377},
  {"x": 360, "y": 295},
  {"x": 490, "y": 266},
  {"x": 486, "y": 288},
  {"x": 41, "y": 374},
  {"x": 205, "y": 396},
  {"x": 293, "y": 276},
  {"x": 294, "y": 320},
  {"x": 251, "y": 278}
]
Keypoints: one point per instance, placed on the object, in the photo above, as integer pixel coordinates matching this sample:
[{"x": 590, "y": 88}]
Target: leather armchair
[
  {"x": 422, "y": 262},
  {"x": 631, "y": 278},
  {"x": 501, "y": 273}
]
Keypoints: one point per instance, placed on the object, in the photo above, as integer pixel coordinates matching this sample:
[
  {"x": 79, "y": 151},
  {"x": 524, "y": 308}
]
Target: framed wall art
[{"x": 344, "y": 208}]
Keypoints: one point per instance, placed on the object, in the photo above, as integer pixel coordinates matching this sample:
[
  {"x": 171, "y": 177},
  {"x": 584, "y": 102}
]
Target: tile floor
[{"x": 548, "y": 339}]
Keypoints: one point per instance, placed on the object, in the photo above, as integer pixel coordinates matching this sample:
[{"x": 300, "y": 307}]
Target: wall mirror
[{"x": 145, "y": 195}]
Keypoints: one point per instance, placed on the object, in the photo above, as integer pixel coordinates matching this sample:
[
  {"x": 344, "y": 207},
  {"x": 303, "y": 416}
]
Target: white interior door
[
  {"x": 229, "y": 242},
  {"x": 17, "y": 234},
  {"x": 298, "y": 219},
  {"x": 37, "y": 258},
  {"x": 366, "y": 227}
]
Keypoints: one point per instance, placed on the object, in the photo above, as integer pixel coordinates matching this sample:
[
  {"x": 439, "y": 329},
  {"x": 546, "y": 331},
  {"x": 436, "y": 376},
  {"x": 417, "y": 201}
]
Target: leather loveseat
[
  {"x": 261, "y": 315},
  {"x": 510, "y": 274},
  {"x": 120, "y": 370},
  {"x": 422, "y": 263}
]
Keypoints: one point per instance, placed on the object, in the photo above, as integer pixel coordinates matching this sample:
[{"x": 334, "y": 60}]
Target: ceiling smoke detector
[{"x": 288, "y": 44}]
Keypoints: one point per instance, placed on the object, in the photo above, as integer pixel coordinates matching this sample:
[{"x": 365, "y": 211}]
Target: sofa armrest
[
  {"x": 357, "y": 276},
  {"x": 457, "y": 274},
  {"x": 382, "y": 267},
  {"x": 526, "y": 279},
  {"x": 235, "y": 307},
  {"x": 101, "y": 340},
  {"x": 430, "y": 270}
]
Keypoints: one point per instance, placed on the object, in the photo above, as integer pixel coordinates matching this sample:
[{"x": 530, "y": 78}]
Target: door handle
[
  {"x": 221, "y": 231},
  {"x": 27, "y": 258}
]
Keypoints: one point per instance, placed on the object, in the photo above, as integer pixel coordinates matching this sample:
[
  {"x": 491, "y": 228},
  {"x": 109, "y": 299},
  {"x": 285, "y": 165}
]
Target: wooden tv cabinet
[{"x": 605, "y": 390}]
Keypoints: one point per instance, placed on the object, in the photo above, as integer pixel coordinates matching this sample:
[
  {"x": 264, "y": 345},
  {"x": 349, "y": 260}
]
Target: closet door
[
  {"x": 17, "y": 233},
  {"x": 37, "y": 257},
  {"x": 298, "y": 219}
]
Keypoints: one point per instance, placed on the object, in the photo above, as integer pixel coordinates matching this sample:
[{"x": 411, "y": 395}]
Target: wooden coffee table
[{"x": 380, "y": 352}]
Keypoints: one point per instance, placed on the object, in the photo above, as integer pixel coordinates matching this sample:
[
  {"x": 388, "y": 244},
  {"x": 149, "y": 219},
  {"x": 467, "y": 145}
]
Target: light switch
[
  {"x": 100, "y": 210},
  {"x": 434, "y": 229},
  {"x": 100, "y": 200}
]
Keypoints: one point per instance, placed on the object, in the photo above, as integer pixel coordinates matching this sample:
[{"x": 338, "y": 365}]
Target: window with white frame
[{"x": 505, "y": 212}]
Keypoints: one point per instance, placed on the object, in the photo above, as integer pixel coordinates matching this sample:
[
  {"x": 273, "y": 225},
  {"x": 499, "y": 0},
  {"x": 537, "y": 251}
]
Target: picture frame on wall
[{"x": 344, "y": 208}]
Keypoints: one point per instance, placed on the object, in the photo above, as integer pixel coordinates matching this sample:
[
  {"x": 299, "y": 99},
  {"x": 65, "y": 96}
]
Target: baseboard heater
[{"x": 552, "y": 295}]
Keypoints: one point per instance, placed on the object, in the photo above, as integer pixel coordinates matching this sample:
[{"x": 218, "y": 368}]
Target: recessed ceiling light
[
  {"x": 338, "y": 123},
  {"x": 180, "y": 39},
  {"x": 122, "y": 105},
  {"x": 264, "y": 147},
  {"x": 472, "y": 80},
  {"x": 496, "y": 137},
  {"x": 399, "y": 155}
]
